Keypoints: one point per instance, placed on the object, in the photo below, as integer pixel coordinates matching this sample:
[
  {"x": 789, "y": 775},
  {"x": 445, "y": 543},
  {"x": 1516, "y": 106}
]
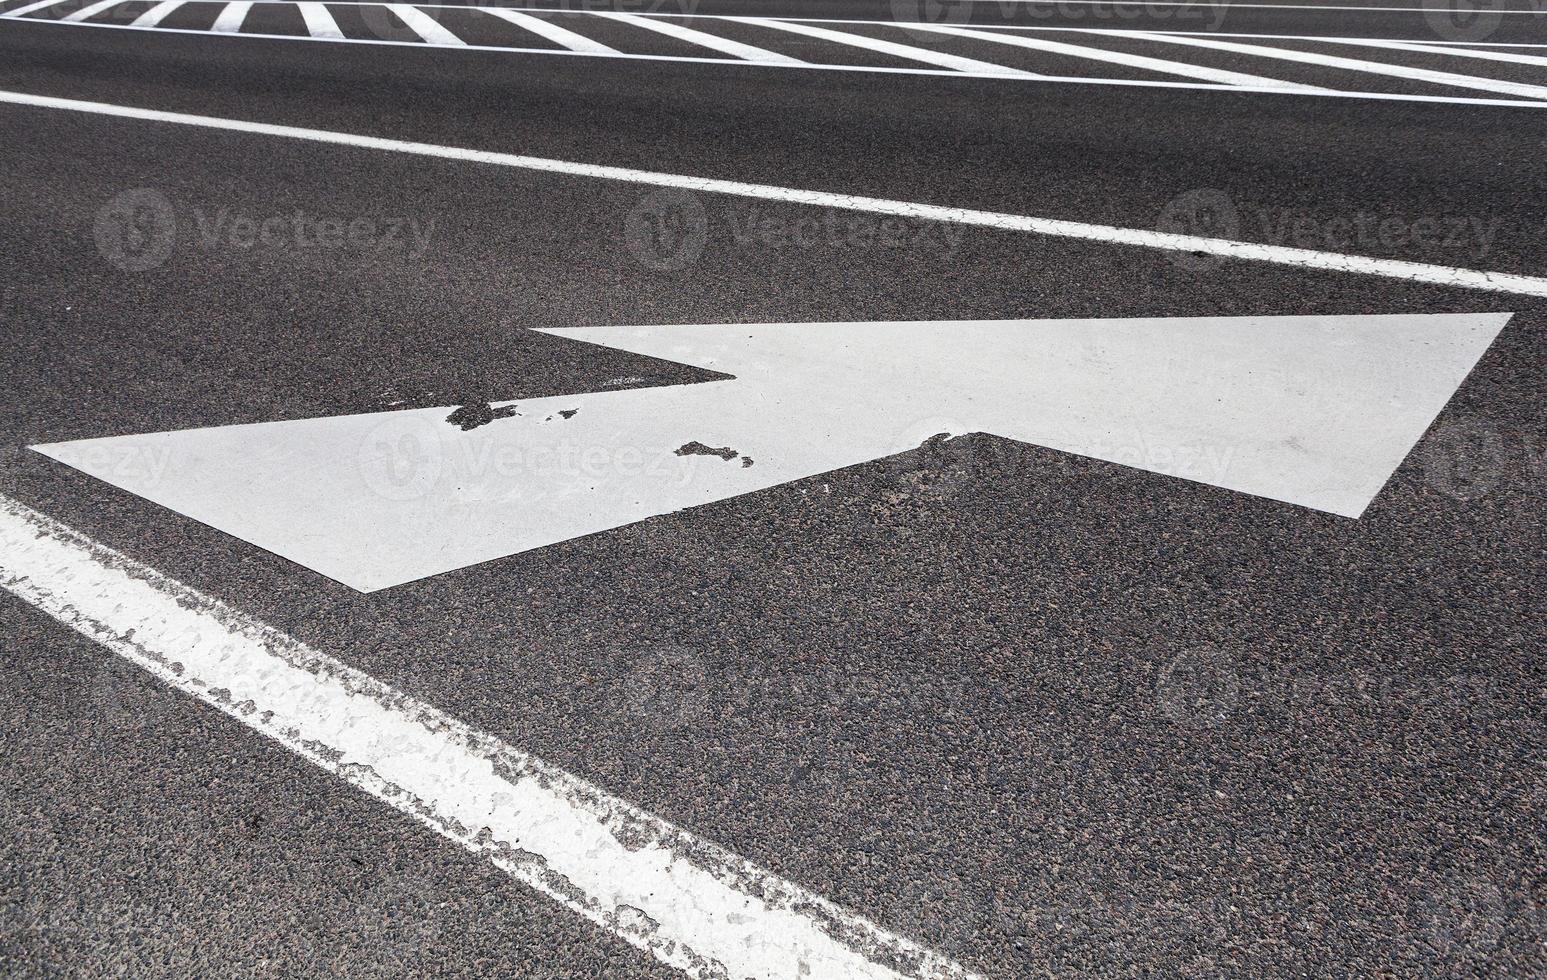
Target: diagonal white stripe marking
[
  {"x": 1479, "y": 53},
  {"x": 29, "y": 8},
  {"x": 319, "y": 22},
  {"x": 91, "y": 10},
  {"x": 156, "y": 14},
  {"x": 1117, "y": 58},
  {"x": 691, "y": 904},
  {"x": 548, "y": 29},
  {"x": 892, "y": 48},
  {"x": 1354, "y": 64},
  {"x": 231, "y": 18},
  {"x": 1253, "y": 251},
  {"x": 724, "y": 45},
  {"x": 424, "y": 25}
]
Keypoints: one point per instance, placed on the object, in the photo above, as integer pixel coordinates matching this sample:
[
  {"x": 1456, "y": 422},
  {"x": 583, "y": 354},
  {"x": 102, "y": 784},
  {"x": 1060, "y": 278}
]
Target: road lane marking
[
  {"x": 1354, "y": 64},
  {"x": 1313, "y": 411},
  {"x": 424, "y": 25},
  {"x": 906, "y": 51},
  {"x": 715, "y": 42},
  {"x": 91, "y": 10},
  {"x": 688, "y": 902},
  {"x": 1115, "y": 57},
  {"x": 231, "y": 18},
  {"x": 29, "y": 8},
  {"x": 548, "y": 29},
  {"x": 1482, "y": 54},
  {"x": 319, "y": 22},
  {"x": 1442, "y": 275},
  {"x": 157, "y": 14},
  {"x": 1278, "y": 89}
]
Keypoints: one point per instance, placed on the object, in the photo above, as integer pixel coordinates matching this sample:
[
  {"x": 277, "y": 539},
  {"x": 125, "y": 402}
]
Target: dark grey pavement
[{"x": 1051, "y": 716}]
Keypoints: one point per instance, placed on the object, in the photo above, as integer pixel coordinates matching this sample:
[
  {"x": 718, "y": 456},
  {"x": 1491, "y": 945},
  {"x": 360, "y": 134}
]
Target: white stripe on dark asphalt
[
  {"x": 1503, "y": 282},
  {"x": 156, "y": 14},
  {"x": 714, "y": 42},
  {"x": 231, "y": 18},
  {"x": 691, "y": 904},
  {"x": 548, "y": 29},
  {"x": 906, "y": 51},
  {"x": 319, "y": 22},
  {"x": 92, "y": 10},
  {"x": 424, "y": 25},
  {"x": 29, "y": 8}
]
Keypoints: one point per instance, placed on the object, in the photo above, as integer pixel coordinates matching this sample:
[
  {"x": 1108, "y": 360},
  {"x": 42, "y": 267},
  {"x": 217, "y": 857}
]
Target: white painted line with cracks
[
  {"x": 690, "y": 903},
  {"x": 1442, "y": 275}
]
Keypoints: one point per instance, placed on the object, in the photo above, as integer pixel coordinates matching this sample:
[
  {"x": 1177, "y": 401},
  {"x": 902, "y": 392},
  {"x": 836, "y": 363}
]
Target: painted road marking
[
  {"x": 1355, "y": 64},
  {"x": 91, "y": 10},
  {"x": 906, "y": 51},
  {"x": 1313, "y": 411},
  {"x": 1115, "y": 57},
  {"x": 690, "y": 903},
  {"x": 724, "y": 45},
  {"x": 319, "y": 22},
  {"x": 424, "y": 25},
  {"x": 548, "y": 29},
  {"x": 231, "y": 18},
  {"x": 1276, "y": 88},
  {"x": 1479, "y": 53},
  {"x": 29, "y": 8},
  {"x": 156, "y": 14},
  {"x": 1503, "y": 282}
]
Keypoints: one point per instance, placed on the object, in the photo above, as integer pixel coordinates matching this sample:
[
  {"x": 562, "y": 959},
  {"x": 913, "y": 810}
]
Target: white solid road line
[
  {"x": 1276, "y": 89},
  {"x": 1443, "y": 275},
  {"x": 1482, "y": 54},
  {"x": 424, "y": 25},
  {"x": 1353, "y": 64},
  {"x": 231, "y": 18},
  {"x": 906, "y": 51},
  {"x": 319, "y": 22},
  {"x": 29, "y": 8},
  {"x": 1115, "y": 57},
  {"x": 691, "y": 904},
  {"x": 157, "y": 14},
  {"x": 1320, "y": 8},
  {"x": 91, "y": 10},
  {"x": 548, "y": 29},
  {"x": 724, "y": 45}
]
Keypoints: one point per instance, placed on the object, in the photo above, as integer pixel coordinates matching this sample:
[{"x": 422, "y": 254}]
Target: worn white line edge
[
  {"x": 1053, "y": 227},
  {"x": 691, "y": 904},
  {"x": 812, "y": 66}
]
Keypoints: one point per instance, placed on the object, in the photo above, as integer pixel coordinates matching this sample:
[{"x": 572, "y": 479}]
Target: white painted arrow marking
[{"x": 1314, "y": 411}]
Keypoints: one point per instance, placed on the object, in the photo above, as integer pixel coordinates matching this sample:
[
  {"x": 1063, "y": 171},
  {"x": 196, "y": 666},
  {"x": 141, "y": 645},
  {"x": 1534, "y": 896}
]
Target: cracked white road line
[
  {"x": 689, "y": 903},
  {"x": 1399, "y": 269}
]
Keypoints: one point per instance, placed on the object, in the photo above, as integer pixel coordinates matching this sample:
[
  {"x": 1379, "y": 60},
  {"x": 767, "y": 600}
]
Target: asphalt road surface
[{"x": 990, "y": 706}]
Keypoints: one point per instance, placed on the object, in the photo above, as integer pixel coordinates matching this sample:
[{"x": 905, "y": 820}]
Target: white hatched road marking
[
  {"x": 907, "y": 51},
  {"x": 1354, "y": 64},
  {"x": 448, "y": 41},
  {"x": 724, "y": 45},
  {"x": 424, "y": 25},
  {"x": 550, "y": 30},
  {"x": 1503, "y": 282},
  {"x": 1115, "y": 57},
  {"x": 691, "y": 904},
  {"x": 29, "y": 8},
  {"x": 92, "y": 9},
  {"x": 157, "y": 14},
  {"x": 231, "y": 18},
  {"x": 319, "y": 22}
]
